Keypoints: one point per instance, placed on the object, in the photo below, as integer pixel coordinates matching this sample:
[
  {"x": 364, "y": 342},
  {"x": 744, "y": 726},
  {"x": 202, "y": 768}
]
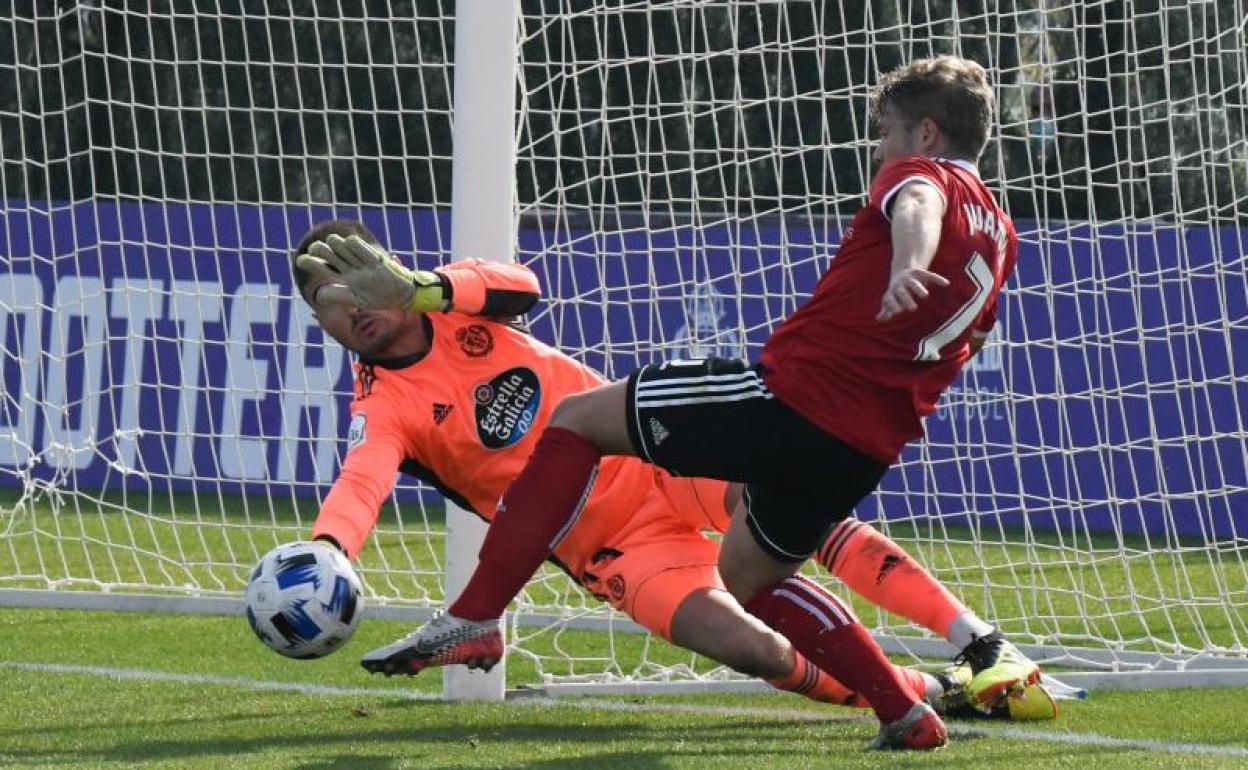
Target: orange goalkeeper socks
[
  {"x": 877, "y": 569},
  {"x": 810, "y": 681}
]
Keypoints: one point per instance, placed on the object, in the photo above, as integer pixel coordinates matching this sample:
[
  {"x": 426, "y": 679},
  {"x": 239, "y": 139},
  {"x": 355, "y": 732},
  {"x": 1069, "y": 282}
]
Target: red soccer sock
[
  {"x": 826, "y": 632},
  {"x": 538, "y": 508},
  {"x": 877, "y": 569}
]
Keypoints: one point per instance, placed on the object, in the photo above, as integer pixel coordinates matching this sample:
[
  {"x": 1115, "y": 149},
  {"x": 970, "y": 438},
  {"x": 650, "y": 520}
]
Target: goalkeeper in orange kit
[{"x": 448, "y": 393}]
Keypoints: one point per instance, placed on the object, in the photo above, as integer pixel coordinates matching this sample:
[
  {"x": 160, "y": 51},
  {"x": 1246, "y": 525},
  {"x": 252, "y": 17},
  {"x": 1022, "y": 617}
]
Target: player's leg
[
  {"x": 879, "y": 570},
  {"x": 669, "y": 585},
  {"x": 711, "y": 622},
  {"x": 675, "y": 404},
  {"x": 875, "y": 567},
  {"x": 663, "y": 576},
  {"x": 542, "y": 504},
  {"x": 816, "y": 622},
  {"x": 538, "y": 508},
  {"x": 783, "y": 523},
  {"x": 718, "y": 419}
]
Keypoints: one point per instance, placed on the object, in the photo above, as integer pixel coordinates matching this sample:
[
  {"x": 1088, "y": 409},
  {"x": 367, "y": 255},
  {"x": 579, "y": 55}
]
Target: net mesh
[{"x": 684, "y": 171}]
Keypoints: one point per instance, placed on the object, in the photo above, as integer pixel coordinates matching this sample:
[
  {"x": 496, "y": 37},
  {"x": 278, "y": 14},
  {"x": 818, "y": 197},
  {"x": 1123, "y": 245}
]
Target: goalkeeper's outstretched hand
[{"x": 356, "y": 272}]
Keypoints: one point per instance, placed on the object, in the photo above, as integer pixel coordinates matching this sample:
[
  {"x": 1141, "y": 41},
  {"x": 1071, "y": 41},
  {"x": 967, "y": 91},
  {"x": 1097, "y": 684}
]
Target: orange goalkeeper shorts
[{"x": 661, "y": 557}]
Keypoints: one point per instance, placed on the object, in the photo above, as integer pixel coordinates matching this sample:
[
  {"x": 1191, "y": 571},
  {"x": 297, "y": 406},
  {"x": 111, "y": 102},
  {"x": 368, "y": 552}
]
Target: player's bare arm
[{"x": 917, "y": 211}]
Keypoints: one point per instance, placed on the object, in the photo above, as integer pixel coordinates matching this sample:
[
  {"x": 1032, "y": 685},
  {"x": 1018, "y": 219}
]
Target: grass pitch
[
  {"x": 1070, "y": 586},
  {"x": 98, "y": 689}
]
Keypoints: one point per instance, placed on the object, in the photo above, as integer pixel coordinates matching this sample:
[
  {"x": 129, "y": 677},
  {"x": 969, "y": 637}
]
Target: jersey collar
[
  {"x": 402, "y": 362},
  {"x": 965, "y": 165}
]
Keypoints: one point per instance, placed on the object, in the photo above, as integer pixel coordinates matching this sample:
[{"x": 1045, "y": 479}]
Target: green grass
[
  {"x": 1088, "y": 586},
  {"x": 57, "y": 719},
  {"x": 1074, "y": 586}
]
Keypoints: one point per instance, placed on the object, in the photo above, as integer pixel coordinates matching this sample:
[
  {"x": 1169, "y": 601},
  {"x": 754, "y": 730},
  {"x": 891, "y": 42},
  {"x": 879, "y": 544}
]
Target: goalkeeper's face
[{"x": 372, "y": 333}]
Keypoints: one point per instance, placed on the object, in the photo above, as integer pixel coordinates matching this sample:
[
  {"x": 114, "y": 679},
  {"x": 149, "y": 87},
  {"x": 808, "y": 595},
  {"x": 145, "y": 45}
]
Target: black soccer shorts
[{"x": 715, "y": 417}]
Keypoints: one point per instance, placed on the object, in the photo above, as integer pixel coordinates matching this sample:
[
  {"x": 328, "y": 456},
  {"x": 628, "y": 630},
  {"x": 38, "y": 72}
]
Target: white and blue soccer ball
[{"x": 303, "y": 600}]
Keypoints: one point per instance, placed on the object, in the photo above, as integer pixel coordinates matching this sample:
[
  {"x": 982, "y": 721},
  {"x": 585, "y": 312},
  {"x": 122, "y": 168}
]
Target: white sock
[
  {"x": 932, "y": 688},
  {"x": 966, "y": 628}
]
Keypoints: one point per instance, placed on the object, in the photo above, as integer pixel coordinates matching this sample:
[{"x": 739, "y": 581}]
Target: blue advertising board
[{"x": 160, "y": 345}]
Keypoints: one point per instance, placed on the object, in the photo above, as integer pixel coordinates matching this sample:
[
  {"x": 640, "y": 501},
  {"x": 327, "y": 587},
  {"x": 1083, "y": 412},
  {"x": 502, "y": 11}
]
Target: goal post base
[{"x": 1088, "y": 680}]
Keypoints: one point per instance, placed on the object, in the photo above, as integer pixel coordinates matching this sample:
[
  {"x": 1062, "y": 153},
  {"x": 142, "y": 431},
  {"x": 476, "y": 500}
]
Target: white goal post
[
  {"x": 677, "y": 173},
  {"x": 483, "y": 205}
]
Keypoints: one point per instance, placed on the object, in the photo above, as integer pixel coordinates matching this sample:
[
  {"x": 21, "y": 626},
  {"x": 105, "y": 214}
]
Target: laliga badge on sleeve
[{"x": 355, "y": 434}]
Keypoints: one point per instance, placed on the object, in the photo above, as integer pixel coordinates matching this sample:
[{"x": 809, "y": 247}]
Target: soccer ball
[{"x": 303, "y": 600}]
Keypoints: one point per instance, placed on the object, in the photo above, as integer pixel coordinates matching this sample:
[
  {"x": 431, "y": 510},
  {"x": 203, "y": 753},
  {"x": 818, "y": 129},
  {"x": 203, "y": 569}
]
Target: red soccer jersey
[{"x": 869, "y": 383}]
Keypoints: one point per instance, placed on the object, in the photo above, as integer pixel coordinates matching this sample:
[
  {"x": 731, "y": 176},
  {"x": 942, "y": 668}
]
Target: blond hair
[{"x": 954, "y": 93}]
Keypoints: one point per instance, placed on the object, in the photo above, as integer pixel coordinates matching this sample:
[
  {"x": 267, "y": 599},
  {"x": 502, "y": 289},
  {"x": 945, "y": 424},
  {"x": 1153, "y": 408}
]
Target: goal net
[{"x": 684, "y": 171}]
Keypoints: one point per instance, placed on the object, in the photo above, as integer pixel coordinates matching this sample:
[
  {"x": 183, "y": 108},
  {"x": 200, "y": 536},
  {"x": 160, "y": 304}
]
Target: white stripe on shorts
[
  {"x": 653, "y": 403},
  {"x": 676, "y": 382},
  {"x": 712, "y": 388}
]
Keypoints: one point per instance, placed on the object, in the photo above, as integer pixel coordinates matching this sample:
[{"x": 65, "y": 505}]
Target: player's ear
[{"x": 928, "y": 134}]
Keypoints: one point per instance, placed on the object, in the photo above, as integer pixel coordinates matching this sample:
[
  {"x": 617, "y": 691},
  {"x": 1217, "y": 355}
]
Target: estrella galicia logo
[{"x": 506, "y": 407}]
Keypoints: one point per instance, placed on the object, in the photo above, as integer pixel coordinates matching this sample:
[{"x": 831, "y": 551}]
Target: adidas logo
[
  {"x": 441, "y": 412},
  {"x": 888, "y": 565},
  {"x": 657, "y": 432}
]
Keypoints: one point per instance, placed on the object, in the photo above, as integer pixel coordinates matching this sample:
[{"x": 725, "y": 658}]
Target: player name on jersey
[{"x": 981, "y": 220}]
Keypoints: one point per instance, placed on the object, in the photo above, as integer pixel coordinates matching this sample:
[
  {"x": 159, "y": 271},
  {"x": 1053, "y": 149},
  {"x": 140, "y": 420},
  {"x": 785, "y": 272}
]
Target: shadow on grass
[
  {"x": 439, "y": 736},
  {"x": 449, "y": 735}
]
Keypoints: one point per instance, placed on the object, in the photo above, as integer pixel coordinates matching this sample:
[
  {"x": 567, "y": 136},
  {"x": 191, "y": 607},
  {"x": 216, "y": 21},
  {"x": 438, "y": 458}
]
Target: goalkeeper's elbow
[{"x": 507, "y": 302}]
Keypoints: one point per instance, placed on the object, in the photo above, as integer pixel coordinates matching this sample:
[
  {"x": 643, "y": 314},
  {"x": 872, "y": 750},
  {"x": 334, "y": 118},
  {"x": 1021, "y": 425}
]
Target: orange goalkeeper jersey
[{"x": 464, "y": 417}]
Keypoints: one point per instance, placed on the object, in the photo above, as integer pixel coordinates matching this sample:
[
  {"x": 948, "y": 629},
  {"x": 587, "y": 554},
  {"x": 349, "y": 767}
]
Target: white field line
[{"x": 797, "y": 715}]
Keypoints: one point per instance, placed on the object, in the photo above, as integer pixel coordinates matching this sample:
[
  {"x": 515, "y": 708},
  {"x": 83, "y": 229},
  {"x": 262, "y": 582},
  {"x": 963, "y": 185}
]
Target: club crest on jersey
[
  {"x": 355, "y": 434},
  {"x": 616, "y": 585},
  {"x": 506, "y": 407},
  {"x": 475, "y": 340}
]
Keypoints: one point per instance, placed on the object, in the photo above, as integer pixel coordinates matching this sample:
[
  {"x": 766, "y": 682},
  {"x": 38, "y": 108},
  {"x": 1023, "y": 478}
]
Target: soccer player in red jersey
[
  {"x": 457, "y": 399},
  {"x": 811, "y": 429}
]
